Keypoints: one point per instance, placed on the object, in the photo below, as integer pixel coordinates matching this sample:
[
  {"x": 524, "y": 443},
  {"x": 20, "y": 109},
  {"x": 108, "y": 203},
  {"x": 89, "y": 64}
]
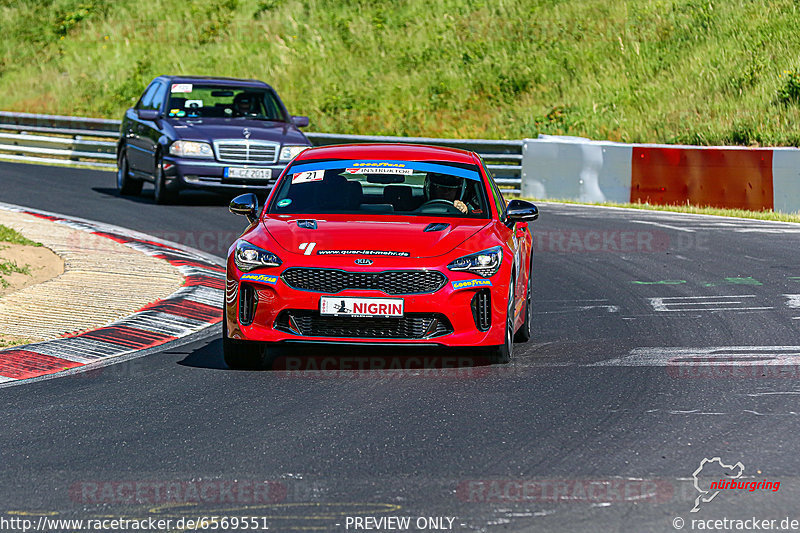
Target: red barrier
[{"x": 731, "y": 178}]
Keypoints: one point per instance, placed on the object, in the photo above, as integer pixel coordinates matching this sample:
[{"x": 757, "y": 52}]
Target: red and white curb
[{"x": 184, "y": 315}]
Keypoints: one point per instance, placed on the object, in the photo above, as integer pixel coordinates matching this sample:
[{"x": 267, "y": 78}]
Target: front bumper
[
  {"x": 272, "y": 311},
  {"x": 185, "y": 173}
]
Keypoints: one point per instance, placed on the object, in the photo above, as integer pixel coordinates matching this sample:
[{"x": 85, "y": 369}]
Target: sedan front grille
[
  {"x": 395, "y": 282},
  {"x": 411, "y": 326},
  {"x": 246, "y": 151}
]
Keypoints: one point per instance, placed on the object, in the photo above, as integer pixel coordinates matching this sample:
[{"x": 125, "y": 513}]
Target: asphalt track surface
[{"x": 660, "y": 340}]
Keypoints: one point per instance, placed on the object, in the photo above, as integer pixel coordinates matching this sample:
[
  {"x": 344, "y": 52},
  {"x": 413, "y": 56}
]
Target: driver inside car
[
  {"x": 446, "y": 187},
  {"x": 244, "y": 105}
]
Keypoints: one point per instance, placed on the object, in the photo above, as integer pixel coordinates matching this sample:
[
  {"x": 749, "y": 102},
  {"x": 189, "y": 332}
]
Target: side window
[
  {"x": 147, "y": 98},
  {"x": 500, "y": 202},
  {"x": 158, "y": 97},
  {"x": 273, "y": 110},
  {"x": 497, "y": 197}
]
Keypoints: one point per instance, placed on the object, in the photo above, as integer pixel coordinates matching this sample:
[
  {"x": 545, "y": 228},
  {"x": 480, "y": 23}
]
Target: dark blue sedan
[{"x": 208, "y": 133}]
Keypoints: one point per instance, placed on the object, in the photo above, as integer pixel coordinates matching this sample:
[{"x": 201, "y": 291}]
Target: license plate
[
  {"x": 360, "y": 307},
  {"x": 248, "y": 173}
]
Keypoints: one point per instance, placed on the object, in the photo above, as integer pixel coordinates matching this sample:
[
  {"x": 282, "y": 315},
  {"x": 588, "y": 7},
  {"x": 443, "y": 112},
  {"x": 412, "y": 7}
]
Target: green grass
[
  {"x": 673, "y": 71},
  {"x": 740, "y": 213},
  {"x": 8, "y": 235},
  {"x": 6, "y": 343},
  {"x": 14, "y": 237},
  {"x": 11, "y": 267}
]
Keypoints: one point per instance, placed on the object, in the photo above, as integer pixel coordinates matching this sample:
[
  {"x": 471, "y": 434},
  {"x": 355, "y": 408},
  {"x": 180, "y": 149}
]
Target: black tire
[
  {"x": 126, "y": 185},
  {"x": 502, "y": 354},
  {"x": 242, "y": 355},
  {"x": 162, "y": 195},
  {"x": 525, "y": 332}
]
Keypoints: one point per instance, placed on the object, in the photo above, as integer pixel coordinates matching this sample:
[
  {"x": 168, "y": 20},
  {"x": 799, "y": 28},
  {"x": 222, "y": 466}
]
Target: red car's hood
[{"x": 390, "y": 234}]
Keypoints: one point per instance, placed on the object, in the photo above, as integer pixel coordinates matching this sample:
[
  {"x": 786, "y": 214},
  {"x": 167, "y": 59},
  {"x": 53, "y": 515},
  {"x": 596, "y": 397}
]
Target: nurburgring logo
[{"x": 710, "y": 485}]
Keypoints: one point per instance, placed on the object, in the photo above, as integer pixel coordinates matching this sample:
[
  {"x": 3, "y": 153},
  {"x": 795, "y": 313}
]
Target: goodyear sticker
[
  {"x": 382, "y": 167},
  {"x": 471, "y": 283},
  {"x": 261, "y": 278}
]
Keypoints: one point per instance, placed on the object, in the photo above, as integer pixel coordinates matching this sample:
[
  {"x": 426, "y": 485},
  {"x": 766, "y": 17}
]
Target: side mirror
[
  {"x": 148, "y": 114},
  {"x": 300, "y": 122},
  {"x": 521, "y": 211},
  {"x": 247, "y": 205}
]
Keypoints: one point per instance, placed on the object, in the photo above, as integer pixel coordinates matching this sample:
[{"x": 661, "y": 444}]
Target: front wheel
[
  {"x": 125, "y": 183},
  {"x": 242, "y": 355},
  {"x": 161, "y": 193},
  {"x": 526, "y": 331},
  {"x": 502, "y": 354}
]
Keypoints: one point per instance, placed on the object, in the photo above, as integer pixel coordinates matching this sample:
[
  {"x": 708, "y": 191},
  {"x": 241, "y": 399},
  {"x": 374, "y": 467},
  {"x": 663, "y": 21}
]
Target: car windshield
[
  {"x": 188, "y": 100},
  {"x": 380, "y": 187}
]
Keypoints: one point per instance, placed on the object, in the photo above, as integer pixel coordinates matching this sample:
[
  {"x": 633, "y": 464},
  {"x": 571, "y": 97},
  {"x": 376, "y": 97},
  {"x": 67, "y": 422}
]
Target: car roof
[
  {"x": 211, "y": 80},
  {"x": 414, "y": 152}
]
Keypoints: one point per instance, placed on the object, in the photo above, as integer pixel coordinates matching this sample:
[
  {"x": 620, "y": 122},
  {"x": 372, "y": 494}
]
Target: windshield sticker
[
  {"x": 181, "y": 88},
  {"x": 471, "y": 283},
  {"x": 261, "y": 278},
  {"x": 380, "y": 170},
  {"x": 418, "y": 166},
  {"x": 190, "y": 104},
  {"x": 284, "y": 202},
  {"x": 305, "y": 177},
  {"x": 173, "y": 112},
  {"x": 389, "y": 253}
]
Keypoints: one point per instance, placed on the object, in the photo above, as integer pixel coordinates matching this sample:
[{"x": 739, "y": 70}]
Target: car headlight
[
  {"x": 191, "y": 149},
  {"x": 248, "y": 256},
  {"x": 485, "y": 263},
  {"x": 289, "y": 152}
]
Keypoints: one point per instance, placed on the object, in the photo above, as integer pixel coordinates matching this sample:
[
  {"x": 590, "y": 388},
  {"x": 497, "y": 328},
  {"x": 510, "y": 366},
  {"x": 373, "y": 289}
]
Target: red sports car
[{"x": 382, "y": 244}]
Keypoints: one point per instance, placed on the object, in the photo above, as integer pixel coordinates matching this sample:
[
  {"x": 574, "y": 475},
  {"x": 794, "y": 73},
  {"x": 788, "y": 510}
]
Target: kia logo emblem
[{"x": 363, "y": 261}]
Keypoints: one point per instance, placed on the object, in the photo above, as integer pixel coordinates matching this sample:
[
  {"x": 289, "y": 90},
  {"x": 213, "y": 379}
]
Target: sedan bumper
[{"x": 184, "y": 173}]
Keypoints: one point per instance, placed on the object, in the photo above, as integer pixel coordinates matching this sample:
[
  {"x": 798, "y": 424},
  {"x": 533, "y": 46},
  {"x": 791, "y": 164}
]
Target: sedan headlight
[
  {"x": 248, "y": 256},
  {"x": 191, "y": 149},
  {"x": 289, "y": 152},
  {"x": 485, "y": 263}
]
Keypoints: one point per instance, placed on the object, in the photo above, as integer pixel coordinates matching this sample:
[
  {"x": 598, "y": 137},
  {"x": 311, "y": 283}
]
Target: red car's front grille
[
  {"x": 411, "y": 326},
  {"x": 331, "y": 281}
]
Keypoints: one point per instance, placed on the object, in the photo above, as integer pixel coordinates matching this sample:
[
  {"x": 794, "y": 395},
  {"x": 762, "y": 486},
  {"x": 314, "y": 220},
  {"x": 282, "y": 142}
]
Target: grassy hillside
[{"x": 674, "y": 71}]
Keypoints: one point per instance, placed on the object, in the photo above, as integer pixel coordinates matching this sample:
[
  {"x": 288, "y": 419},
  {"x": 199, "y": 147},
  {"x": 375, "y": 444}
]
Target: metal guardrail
[{"x": 91, "y": 142}]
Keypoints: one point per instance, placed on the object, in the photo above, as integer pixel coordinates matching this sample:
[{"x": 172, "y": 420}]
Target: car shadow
[
  {"x": 188, "y": 198},
  {"x": 209, "y": 357},
  {"x": 349, "y": 359}
]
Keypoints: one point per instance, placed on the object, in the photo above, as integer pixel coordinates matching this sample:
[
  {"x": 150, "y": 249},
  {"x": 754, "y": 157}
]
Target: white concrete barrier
[
  {"x": 786, "y": 179},
  {"x": 575, "y": 168}
]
